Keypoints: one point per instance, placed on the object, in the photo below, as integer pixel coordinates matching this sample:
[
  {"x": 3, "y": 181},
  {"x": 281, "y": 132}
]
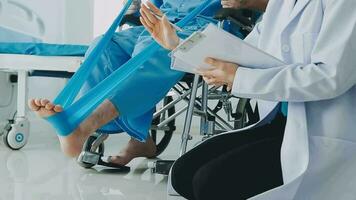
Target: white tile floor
[{"x": 41, "y": 172}]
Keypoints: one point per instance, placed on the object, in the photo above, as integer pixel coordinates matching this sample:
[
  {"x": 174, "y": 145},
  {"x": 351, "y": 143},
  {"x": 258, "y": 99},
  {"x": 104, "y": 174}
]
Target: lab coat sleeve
[{"x": 332, "y": 71}]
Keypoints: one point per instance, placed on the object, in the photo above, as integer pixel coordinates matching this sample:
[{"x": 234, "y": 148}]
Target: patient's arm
[{"x": 161, "y": 30}]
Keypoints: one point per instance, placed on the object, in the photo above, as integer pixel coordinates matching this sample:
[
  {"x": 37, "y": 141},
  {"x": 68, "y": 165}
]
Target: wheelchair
[{"x": 164, "y": 119}]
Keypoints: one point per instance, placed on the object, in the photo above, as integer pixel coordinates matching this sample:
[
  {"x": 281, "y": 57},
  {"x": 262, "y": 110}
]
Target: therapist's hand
[
  {"x": 161, "y": 30},
  {"x": 220, "y": 73}
]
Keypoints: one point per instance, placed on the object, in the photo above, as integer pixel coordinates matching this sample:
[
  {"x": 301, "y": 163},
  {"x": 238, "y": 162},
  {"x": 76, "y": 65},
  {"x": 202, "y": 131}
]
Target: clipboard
[{"x": 213, "y": 42}]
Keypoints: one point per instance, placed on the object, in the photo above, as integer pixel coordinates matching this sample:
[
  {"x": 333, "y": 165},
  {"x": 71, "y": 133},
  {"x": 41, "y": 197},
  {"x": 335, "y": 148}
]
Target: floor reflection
[{"x": 41, "y": 172}]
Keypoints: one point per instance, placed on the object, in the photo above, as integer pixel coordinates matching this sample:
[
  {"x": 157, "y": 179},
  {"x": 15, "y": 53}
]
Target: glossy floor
[{"x": 41, "y": 172}]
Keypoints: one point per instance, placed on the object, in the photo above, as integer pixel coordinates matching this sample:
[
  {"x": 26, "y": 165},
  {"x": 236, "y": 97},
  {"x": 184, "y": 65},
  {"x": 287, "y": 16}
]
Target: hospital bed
[
  {"x": 21, "y": 25},
  {"x": 15, "y": 134},
  {"x": 22, "y": 53}
]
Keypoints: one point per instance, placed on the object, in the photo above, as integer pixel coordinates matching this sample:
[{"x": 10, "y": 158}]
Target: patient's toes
[
  {"x": 43, "y": 107},
  {"x": 38, "y": 102},
  {"x": 58, "y": 108},
  {"x": 49, "y": 106},
  {"x": 33, "y": 106},
  {"x": 44, "y": 102}
]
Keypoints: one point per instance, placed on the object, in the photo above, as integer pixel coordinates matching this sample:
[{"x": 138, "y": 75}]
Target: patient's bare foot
[
  {"x": 72, "y": 144},
  {"x": 44, "y": 108},
  {"x": 133, "y": 150}
]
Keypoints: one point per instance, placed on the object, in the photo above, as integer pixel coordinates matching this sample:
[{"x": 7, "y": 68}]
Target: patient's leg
[
  {"x": 116, "y": 54},
  {"x": 72, "y": 144}
]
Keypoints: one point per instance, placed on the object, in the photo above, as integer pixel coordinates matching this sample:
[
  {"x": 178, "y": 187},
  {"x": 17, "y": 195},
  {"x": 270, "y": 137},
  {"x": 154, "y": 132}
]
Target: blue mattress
[{"x": 42, "y": 49}]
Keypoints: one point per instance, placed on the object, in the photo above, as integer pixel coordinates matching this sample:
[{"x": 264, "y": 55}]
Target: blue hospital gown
[{"x": 137, "y": 96}]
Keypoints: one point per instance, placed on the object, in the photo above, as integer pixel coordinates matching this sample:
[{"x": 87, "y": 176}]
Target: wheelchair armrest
[
  {"x": 131, "y": 19},
  {"x": 243, "y": 17}
]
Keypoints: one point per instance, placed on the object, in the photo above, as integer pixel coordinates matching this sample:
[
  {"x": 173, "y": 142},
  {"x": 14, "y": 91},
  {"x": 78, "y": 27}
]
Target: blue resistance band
[
  {"x": 68, "y": 94},
  {"x": 68, "y": 120}
]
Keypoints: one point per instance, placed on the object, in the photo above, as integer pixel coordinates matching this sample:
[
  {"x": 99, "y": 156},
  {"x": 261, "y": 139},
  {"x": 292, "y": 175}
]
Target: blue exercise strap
[
  {"x": 68, "y": 94},
  {"x": 68, "y": 120}
]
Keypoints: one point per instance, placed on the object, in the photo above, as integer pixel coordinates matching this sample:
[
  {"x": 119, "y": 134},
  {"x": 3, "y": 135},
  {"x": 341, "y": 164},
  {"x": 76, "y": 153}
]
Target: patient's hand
[
  {"x": 161, "y": 30},
  {"x": 259, "y": 5},
  {"x": 233, "y": 3},
  {"x": 221, "y": 73}
]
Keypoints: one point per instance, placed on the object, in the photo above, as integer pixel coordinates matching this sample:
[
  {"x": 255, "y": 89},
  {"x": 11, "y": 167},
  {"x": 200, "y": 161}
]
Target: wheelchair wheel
[{"x": 162, "y": 136}]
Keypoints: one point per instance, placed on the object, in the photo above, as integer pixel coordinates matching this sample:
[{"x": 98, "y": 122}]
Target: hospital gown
[{"x": 137, "y": 96}]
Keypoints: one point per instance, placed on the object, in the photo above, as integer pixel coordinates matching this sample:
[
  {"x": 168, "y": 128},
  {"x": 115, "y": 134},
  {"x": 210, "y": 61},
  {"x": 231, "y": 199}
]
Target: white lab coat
[{"x": 317, "y": 38}]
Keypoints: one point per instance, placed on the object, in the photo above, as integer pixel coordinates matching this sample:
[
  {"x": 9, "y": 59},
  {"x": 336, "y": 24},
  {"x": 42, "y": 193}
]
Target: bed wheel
[{"x": 15, "y": 135}]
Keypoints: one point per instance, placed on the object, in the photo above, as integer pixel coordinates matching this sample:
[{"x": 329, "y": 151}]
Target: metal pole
[
  {"x": 189, "y": 116},
  {"x": 22, "y": 93},
  {"x": 204, "y": 109},
  {"x": 169, "y": 119}
]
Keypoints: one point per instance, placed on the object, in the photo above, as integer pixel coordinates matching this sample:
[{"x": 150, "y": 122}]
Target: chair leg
[
  {"x": 189, "y": 116},
  {"x": 204, "y": 109}
]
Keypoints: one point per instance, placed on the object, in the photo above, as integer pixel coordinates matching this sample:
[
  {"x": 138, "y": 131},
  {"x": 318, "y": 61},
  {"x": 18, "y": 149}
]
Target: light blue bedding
[
  {"x": 15, "y": 42},
  {"x": 42, "y": 49},
  {"x": 9, "y": 35}
]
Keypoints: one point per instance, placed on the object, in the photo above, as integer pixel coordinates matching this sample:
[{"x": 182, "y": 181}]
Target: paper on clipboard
[{"x": 216, "y": 43}]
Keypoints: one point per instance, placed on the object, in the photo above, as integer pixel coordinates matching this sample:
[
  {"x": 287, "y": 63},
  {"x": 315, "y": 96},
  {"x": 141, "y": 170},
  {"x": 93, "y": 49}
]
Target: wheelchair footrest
[
  {"x": 121, "y": 168},
  {"x": 162, "y": 166},
  {"x": 90, "y": 157}
]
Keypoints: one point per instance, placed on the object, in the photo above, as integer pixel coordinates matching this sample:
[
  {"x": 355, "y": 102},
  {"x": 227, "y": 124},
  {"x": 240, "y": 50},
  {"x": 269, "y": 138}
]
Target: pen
[{"x": 160, "y": 18}]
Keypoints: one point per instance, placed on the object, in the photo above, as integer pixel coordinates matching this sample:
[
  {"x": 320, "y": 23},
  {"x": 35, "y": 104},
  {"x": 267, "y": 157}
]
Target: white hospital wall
[
  {"x": 51, "y": 12},
  {"x": 78, "y": 28},
  {"x": 104, "y": 14},
  {"x": 74, "y": 22},
  {"x": 65, "y": 21}
]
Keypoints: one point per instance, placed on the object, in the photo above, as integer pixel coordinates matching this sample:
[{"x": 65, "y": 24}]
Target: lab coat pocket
[{"x": 309, "y": 40}]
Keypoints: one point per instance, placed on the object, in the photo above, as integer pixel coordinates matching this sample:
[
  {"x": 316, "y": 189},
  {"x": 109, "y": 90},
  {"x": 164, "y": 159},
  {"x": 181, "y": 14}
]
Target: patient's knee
[{"x": 93, "y": 45}]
